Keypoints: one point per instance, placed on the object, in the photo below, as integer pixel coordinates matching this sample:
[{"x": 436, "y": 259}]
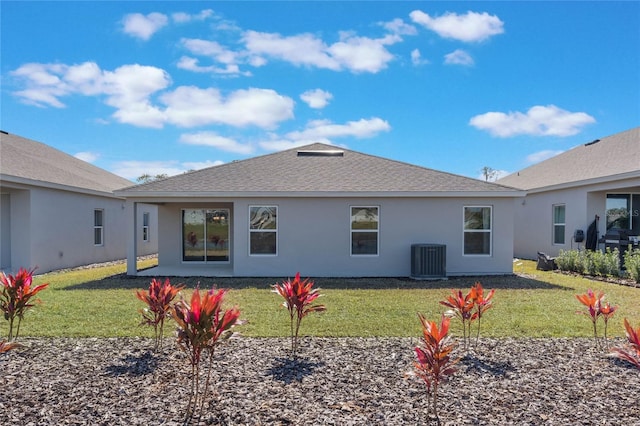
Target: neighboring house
[
  {"x": 57, "y": 211},
  {"x": 595, "y": 185},
  {"x": 325, "y": 212}
]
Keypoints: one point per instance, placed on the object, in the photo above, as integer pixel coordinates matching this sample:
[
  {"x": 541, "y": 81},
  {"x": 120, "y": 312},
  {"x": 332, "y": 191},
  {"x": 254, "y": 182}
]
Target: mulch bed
[{"x": 334, "y": 381}]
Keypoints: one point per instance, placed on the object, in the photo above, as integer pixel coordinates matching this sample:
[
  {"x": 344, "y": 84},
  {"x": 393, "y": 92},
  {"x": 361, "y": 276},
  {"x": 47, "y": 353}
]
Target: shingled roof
[
  {"x": 26, "y": 161},
  {"x": 317, "y": 170},
  {"x": 612, "y": 157}
]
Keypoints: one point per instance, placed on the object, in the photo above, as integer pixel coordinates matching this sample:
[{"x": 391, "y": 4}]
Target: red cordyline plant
[
  {"x": 298, "y": 298},
  {"x": 202, "y": 325},
  {"x": 15, "y": 297},
  {"x": 158, "y": 299},
  {"x": 434, "y": 363},
  {"x": 462, "y": 307},
  {"x": 631, "y": 351},
  {"x": 7, "y": 346},
  {"x": 596, "y": 307},
  {"x": 481, "y": 303}
]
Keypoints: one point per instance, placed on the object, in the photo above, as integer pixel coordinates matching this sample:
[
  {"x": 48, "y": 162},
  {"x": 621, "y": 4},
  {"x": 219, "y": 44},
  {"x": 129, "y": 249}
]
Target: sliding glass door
[{"x": 205, "y": 235}]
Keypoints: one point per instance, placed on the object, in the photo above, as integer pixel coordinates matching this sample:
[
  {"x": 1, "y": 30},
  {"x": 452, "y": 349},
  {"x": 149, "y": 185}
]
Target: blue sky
[{"x": 165, "y": 87}]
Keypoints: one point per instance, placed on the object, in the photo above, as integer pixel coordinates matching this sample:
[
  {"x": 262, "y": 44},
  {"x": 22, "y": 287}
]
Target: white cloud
[
  {"x": 134, "y": 169},
  {"x": 356, "y": 54},
  {"x": 87, "y": 156},
  {"x": 216, "y": 141},
  {"x": 130, "y": 90},
  {"x": 470, "y": 27},
  {"x": 324, "y": 129},
  {"x": 191, "y": 64},
  {"x": 458, "y": 57},
  {"x": 398, "y": 26},
  {"x": 495, "y": 175},
  {"x": 416, "y": 58},
  {"x": 303, "y": 49},
  {"x": 182, "y": 17},
  {"x": 541, "y": 156},
  {"x": 362, "y": 54},
  {"x": 190, "y": 106},
  {"x": 537, "y": 121},
  {"x": 316, "y": 98},
  {"x": 201, "y": 164},
  {"x": 214, "y": 51},
  {"x": 143, "y": 27},
  {"x": 211, "y": 49}
]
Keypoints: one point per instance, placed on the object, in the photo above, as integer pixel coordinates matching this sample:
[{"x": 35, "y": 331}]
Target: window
[
  {"x": 145, "y": 227},
  {"x": 205, "y": 235},
  {"x": 263, "y": 230},
  {"x": 558, "y": 223},
  {"x": 623, "y": 212},
  {"x": 477, "y": 230},
  {"x": 364, "y": 230},
  {"x": 98, "y": 227}
]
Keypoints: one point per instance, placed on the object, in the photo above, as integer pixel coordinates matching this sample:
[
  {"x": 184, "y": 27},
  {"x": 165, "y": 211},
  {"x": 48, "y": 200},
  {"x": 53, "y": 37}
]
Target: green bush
[
  {"x": 632, "y": 264},
  {"x": 587, "y": 262}
]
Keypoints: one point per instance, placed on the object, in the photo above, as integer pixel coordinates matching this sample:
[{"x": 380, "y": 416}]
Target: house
[
  {"x": 580, "y": 196},
  {"x": 324, "y": 212},
  {"x": 57, "y": 211}
]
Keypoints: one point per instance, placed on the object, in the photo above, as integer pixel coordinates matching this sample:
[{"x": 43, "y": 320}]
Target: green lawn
[{"x": 101, "y": 303}]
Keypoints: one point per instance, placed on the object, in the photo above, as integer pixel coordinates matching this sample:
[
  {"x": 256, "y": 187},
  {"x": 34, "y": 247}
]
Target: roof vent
[
  {"x": 321, "y": 153},
  {"x": 592, "y": 142}
]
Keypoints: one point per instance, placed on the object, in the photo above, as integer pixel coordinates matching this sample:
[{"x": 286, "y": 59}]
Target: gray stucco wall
[
  {"x": 53, "y": 229},
  {"x": 314, "y": 236},
  {"x": 534, "y": 215}
]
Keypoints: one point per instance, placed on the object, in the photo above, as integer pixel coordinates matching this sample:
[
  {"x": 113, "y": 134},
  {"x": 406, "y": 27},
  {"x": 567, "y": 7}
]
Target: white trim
[
  {"x": 376, "y": 231},
  {"x": 554, "y": 224},
  {"x": 489, "y": 231},
  {"x": 145, "y": 228},
  {"x": 97, "y": 227},
  {"x": 274, "y": 231}
]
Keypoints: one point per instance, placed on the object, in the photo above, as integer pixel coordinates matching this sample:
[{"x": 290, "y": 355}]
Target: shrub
[
  {"x": 612, "y": 263},
  {"x": 632, "y": 264},
  {"x": 596, "y": 263},
  {"x": 434, "y": 363},
  {"x": 298, "y": 297},
  {"x": 202, "y": 325},
  {"x": 158, "y": 299},
  {"x": 16, "y": 295}
]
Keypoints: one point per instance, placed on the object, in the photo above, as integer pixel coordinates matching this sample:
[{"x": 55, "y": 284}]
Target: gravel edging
[{"x": 336, "y": 381}]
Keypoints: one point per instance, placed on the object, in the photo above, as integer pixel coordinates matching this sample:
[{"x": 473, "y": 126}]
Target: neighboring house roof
[
  {"x": 317, "y": 170},
  {"x": 610, "y": 158},
  {"x": 29, "y": 162}
]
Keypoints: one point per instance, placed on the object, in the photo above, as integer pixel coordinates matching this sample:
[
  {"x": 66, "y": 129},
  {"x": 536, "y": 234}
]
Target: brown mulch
[{"x": 334, "y": 381}]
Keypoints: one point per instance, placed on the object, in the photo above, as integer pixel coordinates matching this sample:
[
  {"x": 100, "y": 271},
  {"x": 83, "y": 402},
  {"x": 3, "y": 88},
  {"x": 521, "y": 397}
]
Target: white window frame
[
  {"x": 145, "y": 227},
  {"x": 376, "y": 231},
  {"x": 555, "y": 224},
  {"x": 261, "y": 230},
  {"x": 489, "y": 231},
  {"x": 98, "y": 228}
]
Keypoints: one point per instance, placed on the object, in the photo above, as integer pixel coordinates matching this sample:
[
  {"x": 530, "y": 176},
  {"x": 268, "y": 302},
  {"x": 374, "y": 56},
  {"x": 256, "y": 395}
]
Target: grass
[{"x": 101, "y": 302}]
